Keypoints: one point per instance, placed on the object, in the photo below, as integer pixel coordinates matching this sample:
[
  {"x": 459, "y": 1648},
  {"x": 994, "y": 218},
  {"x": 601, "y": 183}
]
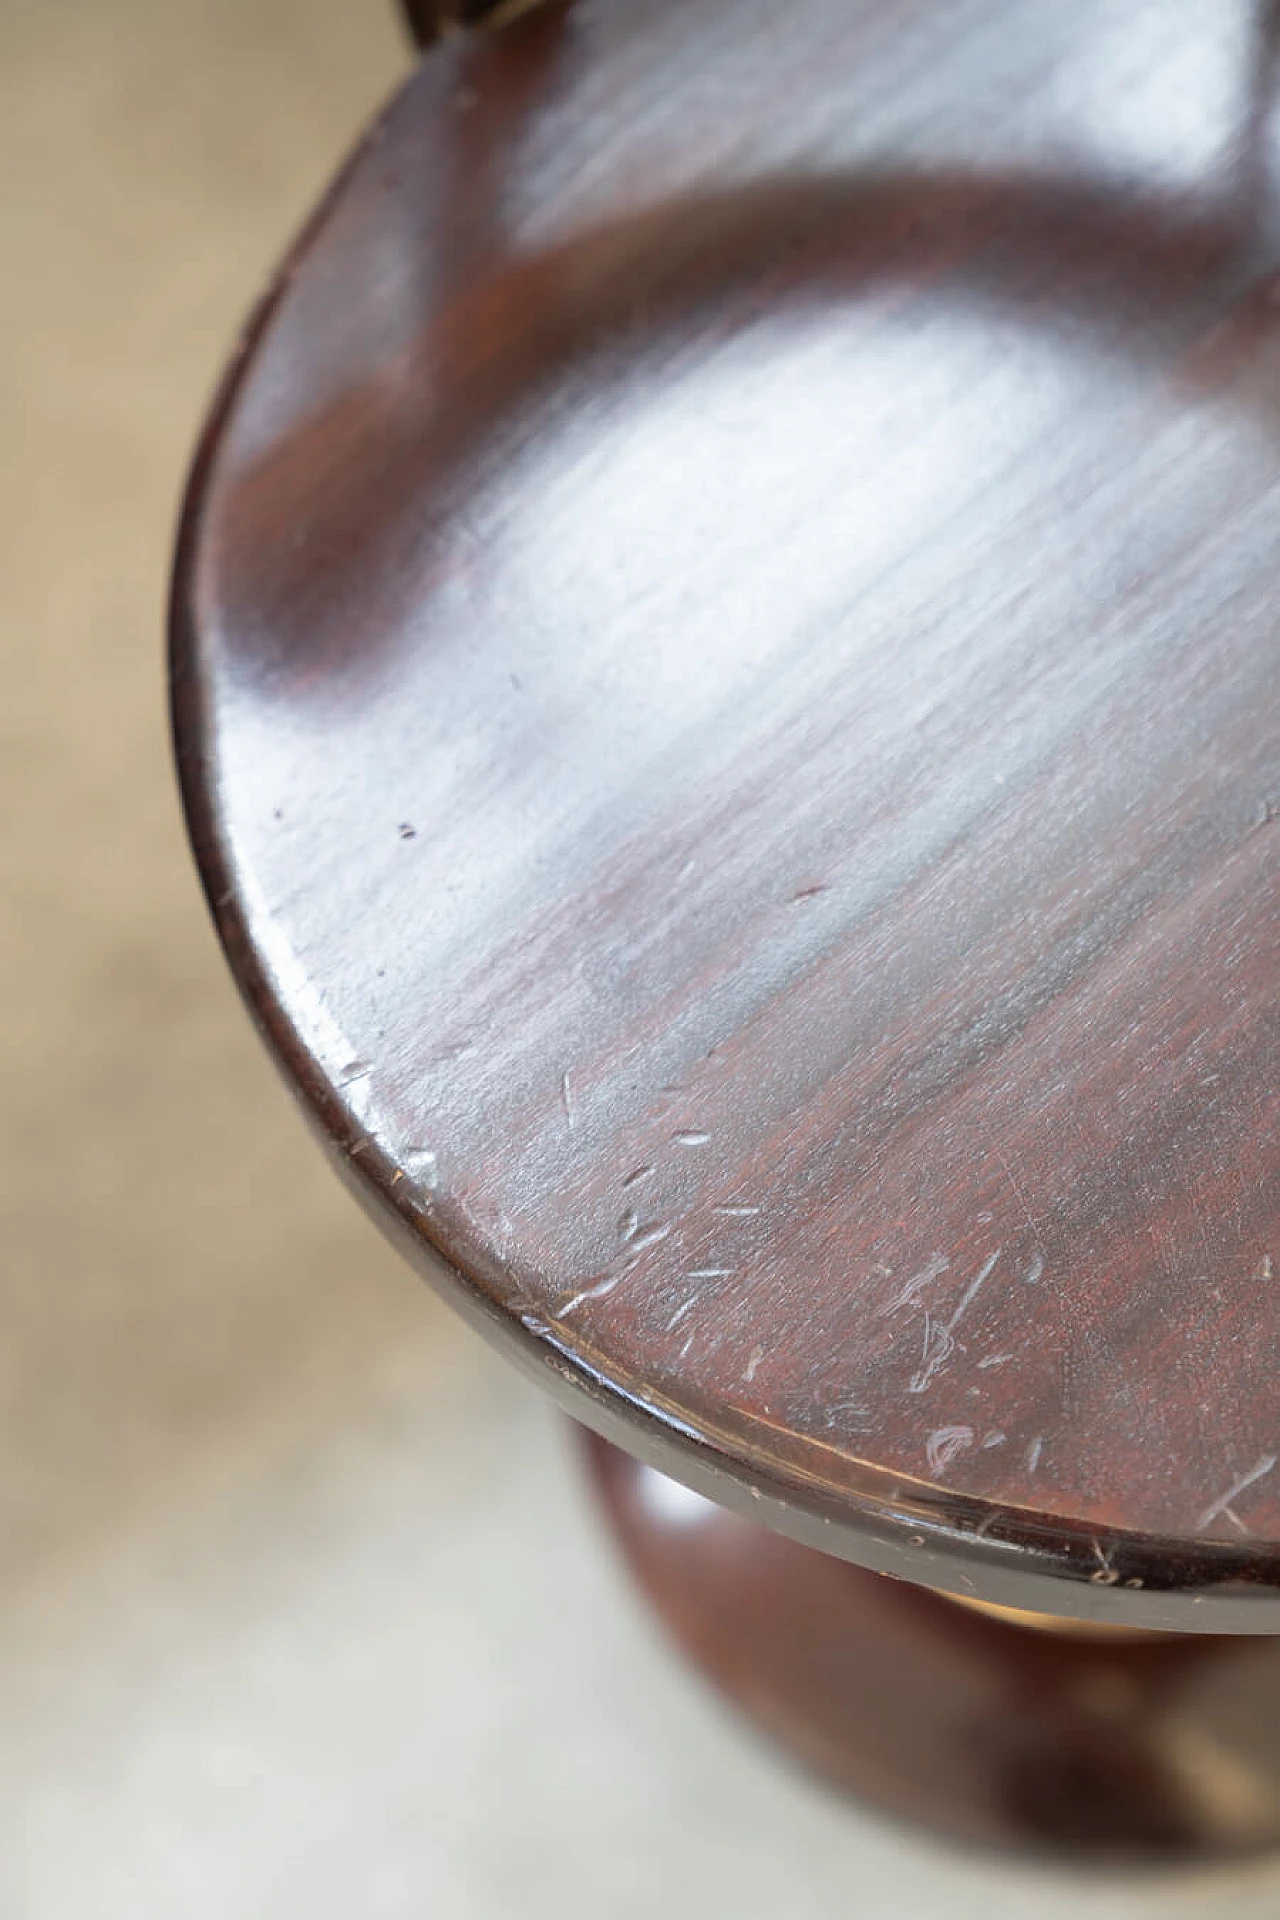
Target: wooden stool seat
[{"x": 725, "y": 663}]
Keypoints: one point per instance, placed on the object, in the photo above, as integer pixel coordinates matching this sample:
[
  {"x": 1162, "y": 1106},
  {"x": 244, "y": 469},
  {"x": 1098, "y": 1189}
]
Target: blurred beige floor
[{"x": 300, "y": 1609}]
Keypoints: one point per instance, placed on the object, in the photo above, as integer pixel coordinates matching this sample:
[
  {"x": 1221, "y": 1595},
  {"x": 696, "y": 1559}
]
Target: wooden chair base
[{"x": 1150, "y": 1746}]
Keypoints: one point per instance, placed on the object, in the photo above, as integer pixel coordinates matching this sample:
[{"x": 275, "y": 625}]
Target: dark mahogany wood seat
[{"x": 725, "y": 661}]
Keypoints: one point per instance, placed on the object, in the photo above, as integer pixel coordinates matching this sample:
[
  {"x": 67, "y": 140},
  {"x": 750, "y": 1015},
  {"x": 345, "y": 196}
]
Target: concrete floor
[{"x": 300, "y": 1608}]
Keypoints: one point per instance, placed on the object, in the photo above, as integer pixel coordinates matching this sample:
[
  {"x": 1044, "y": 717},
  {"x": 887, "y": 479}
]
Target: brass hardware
[{"x": 1054, "y": 1623}]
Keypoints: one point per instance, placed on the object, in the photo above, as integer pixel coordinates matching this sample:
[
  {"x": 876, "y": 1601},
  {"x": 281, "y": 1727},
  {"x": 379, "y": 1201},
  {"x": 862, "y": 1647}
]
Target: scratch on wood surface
[
  {"x": 735, "y": 1213},
  {"x": 637, "y": 1174},
  {"x": 854, "y": 1409},
  {"x": 1222, "y": 1507},
  {"x": 566, "y": 1097},
  {"x": 910, "y": 1293},
  {"x": 972, "y": 1290},
  {"x": 599, "y": 1290},
  {"x": 938, "y": 1347},
  {"x": 753, "y": 1364},
  {"x": 1018, "y": 1194},
  {"x": 650, "y": 1235},
  {"x": 686, "y": 1307},
  {"x": 939, "y": 1335},
  {"x": 1033, "y": 1453},
  {"x": 942, "y": 1446}
]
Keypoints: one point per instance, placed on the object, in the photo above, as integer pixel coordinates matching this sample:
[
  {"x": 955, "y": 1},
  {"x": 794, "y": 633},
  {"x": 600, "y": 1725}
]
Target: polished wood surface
[
  {"x": 725, "y": 661},
  {"x": 1149, "y": 1749}
]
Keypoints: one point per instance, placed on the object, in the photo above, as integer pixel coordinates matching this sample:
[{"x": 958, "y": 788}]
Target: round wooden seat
[{"x": 725, "y": 666}]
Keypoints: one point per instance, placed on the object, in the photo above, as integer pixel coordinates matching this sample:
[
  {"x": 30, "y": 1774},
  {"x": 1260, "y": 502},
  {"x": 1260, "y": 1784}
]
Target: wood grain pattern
[{"x": 725, "y": 659}]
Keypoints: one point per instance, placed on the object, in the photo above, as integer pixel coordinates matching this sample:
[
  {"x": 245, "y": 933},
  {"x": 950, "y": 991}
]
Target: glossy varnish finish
[{"x": 726, "y": 662}]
